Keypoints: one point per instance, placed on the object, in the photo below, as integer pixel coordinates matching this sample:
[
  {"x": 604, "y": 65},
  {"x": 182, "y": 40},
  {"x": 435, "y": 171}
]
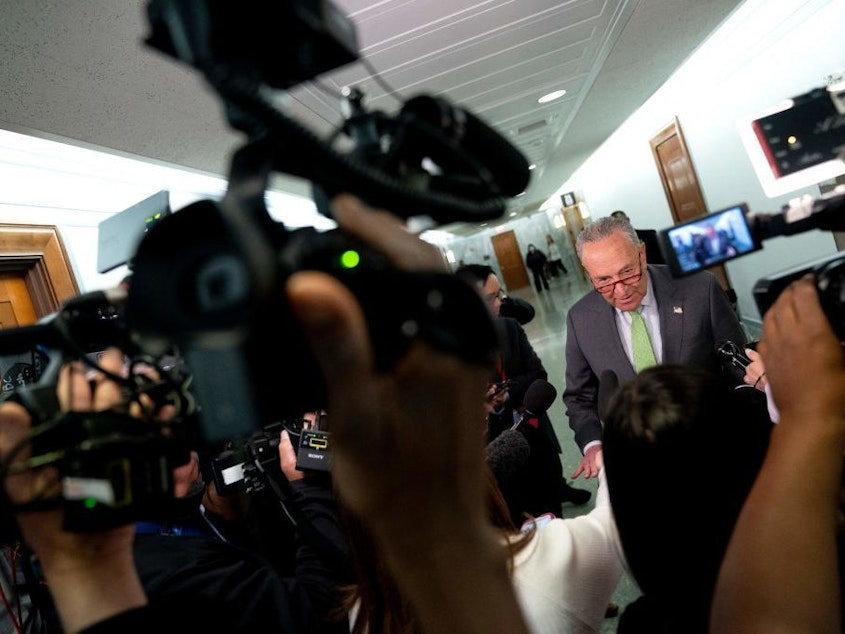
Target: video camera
[
  {"x": 114, "y": 467},
  {"x": 245, "y": 466},
  {"x": 795, "y": 144},
  {"x": 209, "y": 279},
  {"x": 736, "y": 232}
]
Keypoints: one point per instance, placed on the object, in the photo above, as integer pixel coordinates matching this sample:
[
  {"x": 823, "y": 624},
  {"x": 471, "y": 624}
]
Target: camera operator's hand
[
  {"x": 497, "y": 395},
  {"x": 442, "y": 550},
  {"x": 781, "y": 567},
  {"x": 803, "y": 358},
  {"x": 388, "y": 234},
  {"x": 90, "y": 575},
  {"x": 287, "y": 458},
  {"x": 755, "y": 372}
]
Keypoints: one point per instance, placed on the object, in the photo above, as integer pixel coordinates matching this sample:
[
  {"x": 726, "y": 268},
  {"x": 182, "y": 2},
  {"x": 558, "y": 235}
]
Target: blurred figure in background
[
  {"x": 556, "y": 266},
  {"x": 536, "y": 261},
  {"x": 653, "y": 253}
]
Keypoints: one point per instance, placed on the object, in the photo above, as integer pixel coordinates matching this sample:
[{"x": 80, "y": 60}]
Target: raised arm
[
  {"x": 445, "y": 554},
  {"x": 780, "y": 573}
]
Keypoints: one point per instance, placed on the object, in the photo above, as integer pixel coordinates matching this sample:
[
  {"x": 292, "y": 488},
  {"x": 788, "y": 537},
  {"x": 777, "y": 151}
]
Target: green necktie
[{"x": 641, "y": 342}]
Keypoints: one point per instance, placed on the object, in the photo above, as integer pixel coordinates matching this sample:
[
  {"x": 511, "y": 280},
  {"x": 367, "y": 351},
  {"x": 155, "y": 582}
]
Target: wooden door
[
  {"x": 16, "y": 308},
  {"x": 510, "y": 260},
  {"x": 35, "y": 279},
  {"x": 680, "y": 182},
  {"x": 574, "y": 221},
  {"x": 36, "y": 255}
]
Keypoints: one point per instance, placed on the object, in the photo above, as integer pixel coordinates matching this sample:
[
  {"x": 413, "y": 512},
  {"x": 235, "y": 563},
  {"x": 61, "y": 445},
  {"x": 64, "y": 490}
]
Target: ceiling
[{"x": 79, "y": 72}]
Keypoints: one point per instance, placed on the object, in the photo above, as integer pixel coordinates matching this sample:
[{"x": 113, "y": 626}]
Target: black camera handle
[{"x": 802, "y": 214}]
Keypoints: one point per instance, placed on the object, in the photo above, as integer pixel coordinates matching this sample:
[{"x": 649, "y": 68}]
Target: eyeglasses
[
  {"x": 492, "y": 297},
  {"x": 628, "y": 279}
]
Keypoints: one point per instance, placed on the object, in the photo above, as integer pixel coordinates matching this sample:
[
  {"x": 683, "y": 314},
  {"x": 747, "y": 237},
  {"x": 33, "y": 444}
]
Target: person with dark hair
[
  {"x": 637, "y": 315},
  {"x": 716, "y": 245},
  {"x": 667, "y": 425},
  {"x": 536, "y": 262},
  {"x": 539, "y": 486},
  {"x": 509, "y": 306}
]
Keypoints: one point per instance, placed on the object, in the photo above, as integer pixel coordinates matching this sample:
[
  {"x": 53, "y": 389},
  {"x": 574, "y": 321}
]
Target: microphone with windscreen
[
  {"x": 539, "y": 397},
  {"x": 608, "y": 384},
  {"x": 507, "y": 453}
]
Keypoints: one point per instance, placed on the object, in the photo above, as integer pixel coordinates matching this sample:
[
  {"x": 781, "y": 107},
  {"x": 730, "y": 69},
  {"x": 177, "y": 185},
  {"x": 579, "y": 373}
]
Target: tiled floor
[{"x": 547, "y": 333}]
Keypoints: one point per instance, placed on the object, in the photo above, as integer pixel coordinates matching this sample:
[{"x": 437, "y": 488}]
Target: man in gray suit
[{"x": 685, "y": 318}]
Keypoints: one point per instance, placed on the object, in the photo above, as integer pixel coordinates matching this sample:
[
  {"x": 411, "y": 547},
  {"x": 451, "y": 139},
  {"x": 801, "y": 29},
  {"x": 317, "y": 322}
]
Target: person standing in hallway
[
  {"x": 636, "y": 315},
  {"x": 536, "y": 261},
  {"x": 556, "y": 266}
]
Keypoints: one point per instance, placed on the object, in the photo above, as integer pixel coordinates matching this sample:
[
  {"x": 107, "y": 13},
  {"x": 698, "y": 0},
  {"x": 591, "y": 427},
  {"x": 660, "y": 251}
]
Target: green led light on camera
[
  {"x": 90, "y": 503},
  {"x": 350, "y": 259}
]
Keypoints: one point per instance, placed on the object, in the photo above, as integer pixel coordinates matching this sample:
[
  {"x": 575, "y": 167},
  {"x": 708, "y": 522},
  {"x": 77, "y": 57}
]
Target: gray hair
[{"x": 603, "y": 228}]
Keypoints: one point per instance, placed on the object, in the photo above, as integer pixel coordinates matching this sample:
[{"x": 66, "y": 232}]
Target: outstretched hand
[{"x": 590, "y": 465}]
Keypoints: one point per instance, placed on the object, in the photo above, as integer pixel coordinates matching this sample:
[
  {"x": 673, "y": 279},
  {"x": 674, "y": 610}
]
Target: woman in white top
[
  {"x": 556, "y": 266},
  {"x": 564, "y": 572}
]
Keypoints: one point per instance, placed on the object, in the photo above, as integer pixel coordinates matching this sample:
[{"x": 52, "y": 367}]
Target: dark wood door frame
[
  {"x": 37, "y": 253},
  {"x": 672, "y": 133},
  {"x": 680, "y": 182}
]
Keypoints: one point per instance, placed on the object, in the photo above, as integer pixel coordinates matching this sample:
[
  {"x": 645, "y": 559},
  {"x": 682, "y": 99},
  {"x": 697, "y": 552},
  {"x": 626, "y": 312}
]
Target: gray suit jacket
[{"x": 695, "y": 317}]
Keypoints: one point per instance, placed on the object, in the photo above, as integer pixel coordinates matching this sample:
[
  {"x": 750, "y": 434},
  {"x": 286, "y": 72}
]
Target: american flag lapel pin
[{"x": 678, "y": 310}]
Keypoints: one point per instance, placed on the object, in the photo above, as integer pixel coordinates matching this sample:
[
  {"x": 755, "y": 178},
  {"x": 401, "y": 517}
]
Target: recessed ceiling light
[
  {"x": 532, "y": 166},
  {"x": 557, "y": 94}
]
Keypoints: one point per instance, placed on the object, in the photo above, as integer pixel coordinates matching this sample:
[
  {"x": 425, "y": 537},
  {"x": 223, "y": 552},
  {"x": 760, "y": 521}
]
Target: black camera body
[
  {"x": 246, "y": 465},
  {"x": 194, "y": 285},
  {"x": 314, "y": 451},
  {"x": 829, "y": 275}
]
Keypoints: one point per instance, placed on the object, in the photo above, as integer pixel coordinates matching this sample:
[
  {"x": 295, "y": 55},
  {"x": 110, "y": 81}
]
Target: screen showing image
[{"x": 709, "y": 240}]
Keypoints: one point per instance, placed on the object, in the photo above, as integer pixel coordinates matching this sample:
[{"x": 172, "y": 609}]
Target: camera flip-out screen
[
  {"x": 709, "y": 240},
  {"x": 799, "y": 142}
]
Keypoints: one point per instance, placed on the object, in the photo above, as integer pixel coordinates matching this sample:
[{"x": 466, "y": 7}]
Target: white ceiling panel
[{"x": 78, "y": 70}]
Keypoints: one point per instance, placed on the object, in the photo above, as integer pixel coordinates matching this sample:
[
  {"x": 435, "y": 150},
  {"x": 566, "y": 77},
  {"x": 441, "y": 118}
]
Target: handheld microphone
[
  {"x": 608, "y": 384},
  {"x": 538, "y": 399},
  {"x": 507, "y": 453},
  {"x": 734, "y": 359},
  {"x": 730, "y": 352}
]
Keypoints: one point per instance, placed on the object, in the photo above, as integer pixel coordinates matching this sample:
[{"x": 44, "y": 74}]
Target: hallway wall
[{"x": 769, "y": 50}]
